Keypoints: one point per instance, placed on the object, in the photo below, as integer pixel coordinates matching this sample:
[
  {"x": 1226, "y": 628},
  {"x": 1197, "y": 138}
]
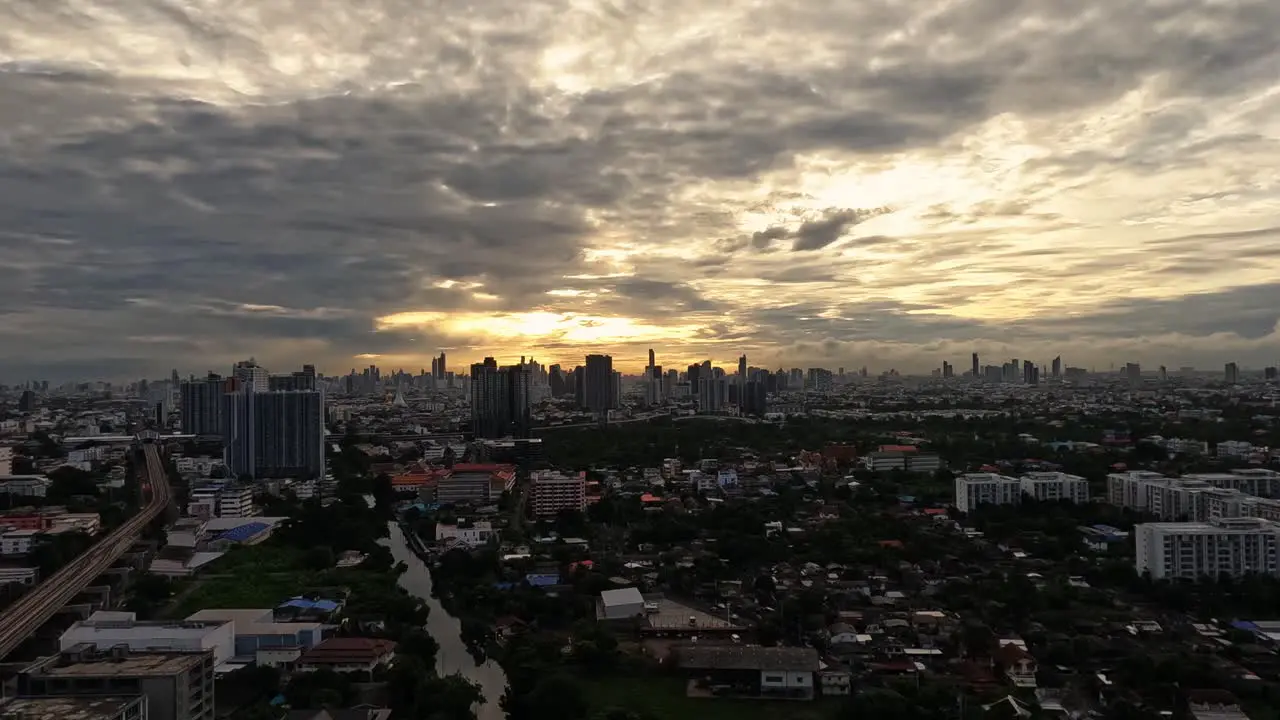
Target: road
[{"x": 21, "y": 619}]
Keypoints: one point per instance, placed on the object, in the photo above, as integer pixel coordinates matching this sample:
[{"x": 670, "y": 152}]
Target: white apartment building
[
  {"x": 1259, "y": 482},
  {"x": 24, "y": 485},
  {"x": 230, "y": 501},
  {"x": 1050, "y": 486},
  {"x": 974, "y": 489},
  {"x": 1195, "y": 497},
  {"x": 476, "y": 534},
  {"x": 17, "y": 542},
  {"x": 1235, "y": 449},
  {"x": 1231, "y": 546},
  {"x": 6, "y": 461},
  {"x": 552, "y": 492},
  {"x": 1126, "y": 489},
  {"x": 86, "y": 455}
]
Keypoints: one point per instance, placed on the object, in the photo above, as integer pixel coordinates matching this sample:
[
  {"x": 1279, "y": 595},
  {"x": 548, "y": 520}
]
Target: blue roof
[
  {"x": 1108, "y": 529},
  {"x": 302, "y": 603},
  {"x": 542, "y": 580},
  {"x": 244, "y": 532},
  {"x": 1244, "y": 625}
]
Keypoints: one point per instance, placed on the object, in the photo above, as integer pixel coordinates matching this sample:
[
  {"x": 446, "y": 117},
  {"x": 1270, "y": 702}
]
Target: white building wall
[
  {"x": 142, "y": 637},
  {"x": 1190, "y": 550}
]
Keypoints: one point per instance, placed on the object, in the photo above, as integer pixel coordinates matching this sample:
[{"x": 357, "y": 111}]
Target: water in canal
[{"x": 447, "y": 631}]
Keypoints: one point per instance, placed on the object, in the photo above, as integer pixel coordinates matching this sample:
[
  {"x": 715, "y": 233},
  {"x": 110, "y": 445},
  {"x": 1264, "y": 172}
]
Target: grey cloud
[{"x": 175, "y": 153}]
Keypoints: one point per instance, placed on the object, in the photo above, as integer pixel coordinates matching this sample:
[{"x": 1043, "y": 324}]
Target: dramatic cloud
[{"x": 184, "y": 183}]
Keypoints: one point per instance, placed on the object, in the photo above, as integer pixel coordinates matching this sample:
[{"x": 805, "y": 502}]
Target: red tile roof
[{"x": 348, "y": 651}]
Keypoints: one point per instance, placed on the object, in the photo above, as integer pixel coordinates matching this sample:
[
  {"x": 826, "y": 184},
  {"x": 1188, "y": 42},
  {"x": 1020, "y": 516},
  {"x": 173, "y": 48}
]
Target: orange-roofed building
[
  {"x": 475, "y": 483},
  {"x": 649, "y": 499},
  {"x": 898, "y": 448},
  {"x": 415, "y": 480}
]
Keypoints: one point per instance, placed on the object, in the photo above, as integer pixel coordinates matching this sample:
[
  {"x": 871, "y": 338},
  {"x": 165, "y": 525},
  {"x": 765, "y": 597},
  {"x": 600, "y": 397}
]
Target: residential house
[{"x": 349, "y": 654}]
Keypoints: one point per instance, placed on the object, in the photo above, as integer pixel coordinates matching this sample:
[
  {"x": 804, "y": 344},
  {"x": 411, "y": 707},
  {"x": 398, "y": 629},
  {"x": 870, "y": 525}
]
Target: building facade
[
  {"x": 1227, "y": 546},
  {"x": 552, "y": 493}
]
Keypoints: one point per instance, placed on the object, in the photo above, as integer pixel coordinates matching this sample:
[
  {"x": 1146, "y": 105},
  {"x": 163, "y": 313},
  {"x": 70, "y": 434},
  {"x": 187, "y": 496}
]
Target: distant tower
[{"x": 975, "y": 364}]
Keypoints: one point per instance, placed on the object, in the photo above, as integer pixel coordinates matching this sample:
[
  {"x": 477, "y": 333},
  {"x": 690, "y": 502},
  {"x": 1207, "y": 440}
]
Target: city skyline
[{"x": 893, "y": 184}]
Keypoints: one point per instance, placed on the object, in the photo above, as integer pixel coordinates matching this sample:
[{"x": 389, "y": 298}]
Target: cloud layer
[{"x": 889, "y": 182}]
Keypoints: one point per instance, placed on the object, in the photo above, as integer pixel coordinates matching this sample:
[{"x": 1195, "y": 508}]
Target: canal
[{"x": 447, "y": 631}]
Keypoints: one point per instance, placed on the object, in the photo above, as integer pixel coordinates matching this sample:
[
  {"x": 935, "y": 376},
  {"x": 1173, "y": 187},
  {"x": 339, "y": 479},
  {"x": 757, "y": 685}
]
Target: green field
[
  {"x": 665, "y": 698},
  {"x": 252, "y": 576}
]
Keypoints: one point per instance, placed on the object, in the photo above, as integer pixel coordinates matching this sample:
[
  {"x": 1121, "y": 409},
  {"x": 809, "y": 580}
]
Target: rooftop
[
  {"x": 747, "y": 657},
  {"x": 65, "y": 708},
  {"x": 154, "y": 664}
]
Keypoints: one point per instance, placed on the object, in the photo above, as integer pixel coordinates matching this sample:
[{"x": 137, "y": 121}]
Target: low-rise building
[
  {"x": 474, "y": 483},
  {"x": 472, "y": 534},
  {"x": 17, "y": 542},
  {"x": 256, "y": 629},
  {"x": 349, "y": 654},
  {"x": 111, "y": 629},
  {"x": 176, "y": 685},
  {"x": 752, "y": 670},
  {"x": 118, "y": 707},
  {"x": 907, "y": 458}
]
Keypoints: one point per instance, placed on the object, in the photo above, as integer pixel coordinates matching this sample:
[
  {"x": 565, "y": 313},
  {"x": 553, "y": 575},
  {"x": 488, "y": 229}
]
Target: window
[{"x": 773, "y": 678}]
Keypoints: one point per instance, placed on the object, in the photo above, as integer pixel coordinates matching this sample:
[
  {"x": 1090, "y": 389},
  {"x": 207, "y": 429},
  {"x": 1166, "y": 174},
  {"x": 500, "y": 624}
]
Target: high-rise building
[
  {"x": 653, "y": 381},
  {"x": 274, "y": 434},
  {"x": 975, "y": 370},
  {"x": 304, "y": 379},
  {"x": 250, "y": 373},
  {"x": 1133, "y": 371},
  {"x": 1056, "y": 368},
  {"x": 201, "y": 404},
  {"x": 755, "y": 399},
  {"x": 26, "y": 401},
  {"x": 742, "y": 380},
  {"x": 440, "y": 368},
  {"x": 1231, "y": 373},
  {"x": 711, "y": 390},
  {"x": 694, "y": 375},
  {"x": 500, "y": 399},
  {"x": 599, "y": 391}
]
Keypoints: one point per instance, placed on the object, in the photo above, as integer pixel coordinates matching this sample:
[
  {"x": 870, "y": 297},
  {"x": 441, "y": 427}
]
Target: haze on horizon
[{"x": 185, "y": 183}]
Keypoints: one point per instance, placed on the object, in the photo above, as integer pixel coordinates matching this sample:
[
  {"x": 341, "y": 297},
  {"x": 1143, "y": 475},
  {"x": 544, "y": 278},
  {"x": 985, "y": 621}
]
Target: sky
[{"x": 890, "y": 183}]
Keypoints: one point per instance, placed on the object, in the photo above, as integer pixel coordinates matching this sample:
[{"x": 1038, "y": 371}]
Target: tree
[
  {"x": 318, "y": 689},
  {"x": 67, "y": 482},
  {"x": 149, "y": 594},
  {"x": 557, "y": 696}
]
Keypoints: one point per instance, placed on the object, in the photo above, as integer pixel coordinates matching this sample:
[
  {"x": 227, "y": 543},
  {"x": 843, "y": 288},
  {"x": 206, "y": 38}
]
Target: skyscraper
[
  {"x": 249, "y": 372},
  {"x": 711, "y": 390},
  {"x": 755, "y": 399},
  {"x": 274, "y": 434},
  {"x": 304, "y": 379},
  {"x": 742, "y": 379},
  {"x": 201, "y": 404},
  {"x": 1056, "y": 370},
  {"x": 598, "y": 391},
  {"x": 1231, "y": 373},
  {"x": 500, "y": 399},
  {"x": 975, "y": 369},
  {"x": 441, "y": 370}
]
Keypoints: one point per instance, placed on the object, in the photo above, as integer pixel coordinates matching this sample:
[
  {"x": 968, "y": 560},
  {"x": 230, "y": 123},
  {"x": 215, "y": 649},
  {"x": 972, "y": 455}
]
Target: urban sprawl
[{"x": 540, "y": 542}]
